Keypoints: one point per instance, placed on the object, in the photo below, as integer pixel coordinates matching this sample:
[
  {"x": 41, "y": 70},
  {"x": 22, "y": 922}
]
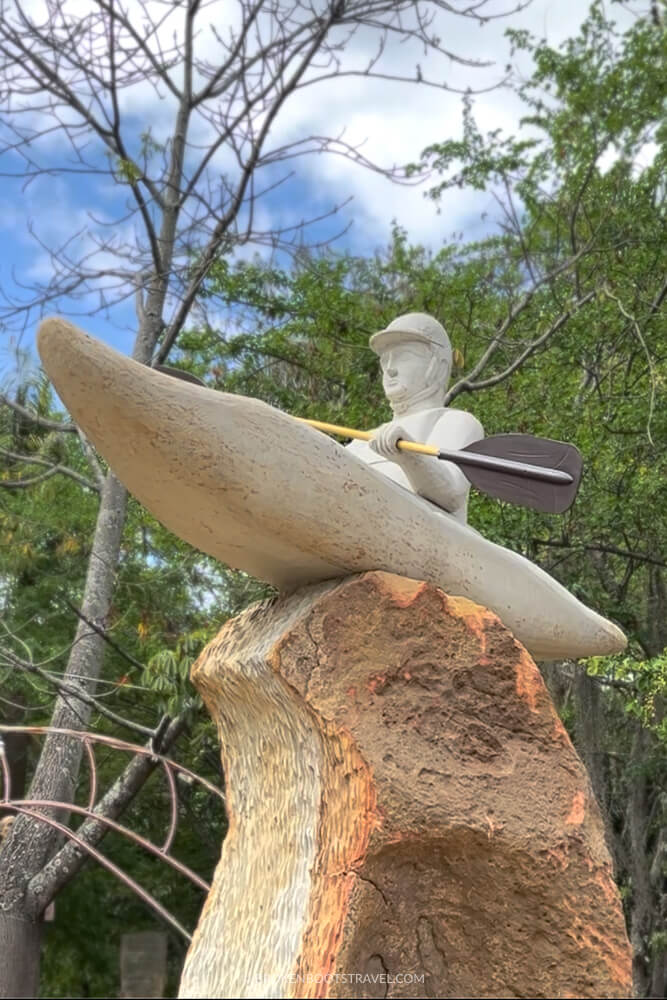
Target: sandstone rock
[{"x": 408, "y": 817}]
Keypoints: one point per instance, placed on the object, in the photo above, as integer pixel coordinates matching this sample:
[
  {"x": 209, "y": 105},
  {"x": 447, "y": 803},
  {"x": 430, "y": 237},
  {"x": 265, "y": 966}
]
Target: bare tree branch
[
  {"x": 600, "y": 547},
  {"x": 54, "y": 468},
  {"x": 73, "y": 691},
  {"x": 74, "y": 78},
  {"x": 103, "y": 633},
  {"x": 89, "y": 452},
  {"x": 467, "y": 385},
  {"x": 49, "y": 425}
]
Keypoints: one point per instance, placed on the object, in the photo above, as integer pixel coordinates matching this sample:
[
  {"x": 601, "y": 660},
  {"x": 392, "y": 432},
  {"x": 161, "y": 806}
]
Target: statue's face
[{"x": 404, "y": 368}]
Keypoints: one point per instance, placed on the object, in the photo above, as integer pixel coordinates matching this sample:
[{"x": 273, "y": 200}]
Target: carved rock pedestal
[{"x": 408, "y": 817}]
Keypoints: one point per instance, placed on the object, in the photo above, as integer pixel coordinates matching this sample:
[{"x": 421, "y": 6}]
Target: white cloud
[{"x": 392, "y": 123}]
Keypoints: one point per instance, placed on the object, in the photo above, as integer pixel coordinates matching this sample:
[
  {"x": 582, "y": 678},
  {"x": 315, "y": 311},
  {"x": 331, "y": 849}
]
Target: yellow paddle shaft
[{"x": 421, "y": 449}]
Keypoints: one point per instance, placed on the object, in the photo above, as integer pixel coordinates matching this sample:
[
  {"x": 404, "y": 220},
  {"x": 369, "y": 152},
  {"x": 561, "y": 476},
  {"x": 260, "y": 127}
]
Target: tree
[
  {"x": 157, "y": 625},
  {"x": 187, "y": 197}
]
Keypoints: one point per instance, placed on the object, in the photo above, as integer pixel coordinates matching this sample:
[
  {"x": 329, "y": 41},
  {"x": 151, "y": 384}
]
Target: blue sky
[{"x": 68, "y": 213}]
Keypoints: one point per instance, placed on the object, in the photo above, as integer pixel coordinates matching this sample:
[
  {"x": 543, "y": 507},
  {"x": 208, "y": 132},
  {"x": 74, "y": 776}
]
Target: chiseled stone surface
[{"x": 408, "y": 817}]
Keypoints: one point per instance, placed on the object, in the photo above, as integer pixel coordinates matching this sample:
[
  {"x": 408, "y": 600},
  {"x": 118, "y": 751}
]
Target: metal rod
[
  {"x": 93, "y": 773},
  {"x": 148, "y": 845},
  {"x": 174, "y": 809},
  {"x": 109, "y": 865},
  {"x": 118, "y": 745},
  {"x": 6, "y": 773}
]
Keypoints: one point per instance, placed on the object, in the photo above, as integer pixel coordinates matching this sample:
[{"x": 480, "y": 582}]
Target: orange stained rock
[
  {"x": 529, "y": 682},
  {"x": 578, "y": 810},
  {"x": 430, "y": 815},
  {"x": 474, "y": 616},
  {"x": 402, "y": 591}
]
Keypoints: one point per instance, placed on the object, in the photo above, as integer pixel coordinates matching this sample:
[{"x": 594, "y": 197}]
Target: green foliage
[
  {"x": 579, "y": 228},
  {"x": 646, "y": 684},
  {"x": 583, "y": 192},
  {"x": 298, "y": 338},
  {"x": 127, "y": 171},
  {"x": 82, "y": 945},
  {"x": 167, "y": 673},
  {"x": 602, "y": 91},
  {"x": 658, "y": 942}
]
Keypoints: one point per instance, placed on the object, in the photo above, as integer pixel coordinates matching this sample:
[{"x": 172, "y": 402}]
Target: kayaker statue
[
  {"x": 416, "y": 360},
  {"x": 258, "y": 490}
]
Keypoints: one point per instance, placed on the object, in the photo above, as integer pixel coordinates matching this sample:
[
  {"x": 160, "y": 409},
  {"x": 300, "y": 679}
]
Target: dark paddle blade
[{"x": 518, "y": 487}]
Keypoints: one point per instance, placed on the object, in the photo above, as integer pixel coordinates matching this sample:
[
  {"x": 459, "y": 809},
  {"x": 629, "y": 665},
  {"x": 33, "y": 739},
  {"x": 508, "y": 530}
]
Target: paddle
[{"x": 522, "y": 469}]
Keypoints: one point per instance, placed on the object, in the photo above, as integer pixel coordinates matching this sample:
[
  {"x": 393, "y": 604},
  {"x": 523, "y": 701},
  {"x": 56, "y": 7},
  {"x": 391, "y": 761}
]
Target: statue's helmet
[{"x": 414, "y": 326}]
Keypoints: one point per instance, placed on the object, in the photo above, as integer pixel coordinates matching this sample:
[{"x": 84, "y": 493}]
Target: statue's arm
[{"x": 443, "y": 483}]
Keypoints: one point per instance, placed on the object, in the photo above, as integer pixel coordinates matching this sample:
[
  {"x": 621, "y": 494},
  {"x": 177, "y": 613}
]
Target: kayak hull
[{"x": 262, "y": 492}]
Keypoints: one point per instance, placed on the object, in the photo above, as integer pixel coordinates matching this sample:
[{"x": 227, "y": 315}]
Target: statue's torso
[{"x": 419, "y": 426}]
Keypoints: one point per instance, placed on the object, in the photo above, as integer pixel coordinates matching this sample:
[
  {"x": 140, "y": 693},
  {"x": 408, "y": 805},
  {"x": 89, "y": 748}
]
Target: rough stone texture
[{"x": 404, "y": 802}]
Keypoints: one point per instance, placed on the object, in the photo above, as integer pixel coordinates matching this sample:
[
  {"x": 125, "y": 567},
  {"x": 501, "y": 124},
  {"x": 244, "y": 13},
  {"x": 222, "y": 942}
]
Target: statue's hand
[{"x": 385, "y": 442}]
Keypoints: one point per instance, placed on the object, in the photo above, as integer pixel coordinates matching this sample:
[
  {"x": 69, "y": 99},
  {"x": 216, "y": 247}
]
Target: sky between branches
[{"x": 394, "y": 121}]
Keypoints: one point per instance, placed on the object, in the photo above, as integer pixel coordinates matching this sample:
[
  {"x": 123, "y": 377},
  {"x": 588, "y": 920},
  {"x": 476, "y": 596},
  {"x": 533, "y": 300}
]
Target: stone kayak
[{"x": 264, "y": 493}]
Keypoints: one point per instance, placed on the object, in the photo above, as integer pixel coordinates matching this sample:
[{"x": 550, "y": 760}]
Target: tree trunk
[
  {"x": 30, "y": 843},
  {"x": 20, "y": 942},
  {"x": 591, "y": 733},
  {"x": 656, "y": 612},
  {"x": 24, "y": 892},
  {"x": 407, "y": 816},
  {"x": 643, "y": 900}
]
